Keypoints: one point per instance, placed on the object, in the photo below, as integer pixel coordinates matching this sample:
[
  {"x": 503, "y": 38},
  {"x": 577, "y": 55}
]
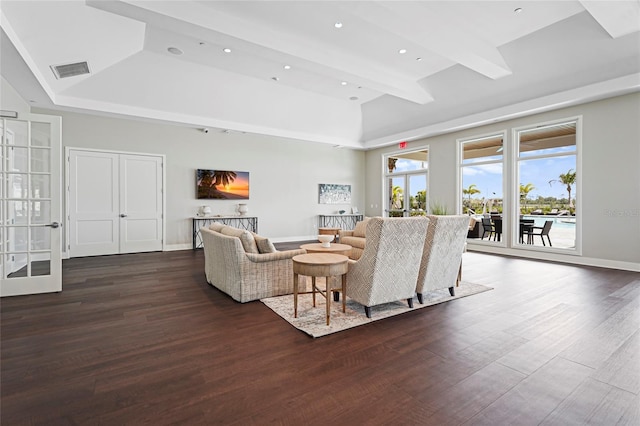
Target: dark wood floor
[{"x": 143, "y": 339}]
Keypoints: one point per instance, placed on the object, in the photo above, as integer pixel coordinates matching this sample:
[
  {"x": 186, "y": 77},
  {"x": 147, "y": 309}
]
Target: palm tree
[
  {"x": 224, "y": 177},
  {"x": 209, "y": 179},
  {"x": 525, "y": 190},
  {"x": 568, "y": 179},
  {"x": 397, "y": 199},
  {"x": 471, "y": 190}
]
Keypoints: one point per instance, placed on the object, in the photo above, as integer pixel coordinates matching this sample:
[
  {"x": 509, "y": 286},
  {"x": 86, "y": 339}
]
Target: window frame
[
  {"x": 407, "y": 174},
  {"x": 506, "y": 203},
  {"x": 515, "y": 159}
]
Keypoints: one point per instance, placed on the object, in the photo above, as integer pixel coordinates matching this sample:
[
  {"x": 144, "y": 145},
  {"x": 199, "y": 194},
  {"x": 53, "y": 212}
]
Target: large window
[
  {"x": 406, "y": 183},
  {"x": 482, "y": 164},
  {"x": 523, "y": 192},
  {"x": 547, "y": 176}
]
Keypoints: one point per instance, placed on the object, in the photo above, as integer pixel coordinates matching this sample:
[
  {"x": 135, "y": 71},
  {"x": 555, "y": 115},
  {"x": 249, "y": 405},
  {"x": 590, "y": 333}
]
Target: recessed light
[
  {"x": 287, "y": 67},
  {"x": 338, "y": 24},
  {"x": 344, "y": 83},
  {"x": 275, "y": 79},
  {"x": 517, "y": 10},
  {"x": 174, "y": 50},
  {"x": 226, "y": 50},
  {"x": 402, "y": 51}
]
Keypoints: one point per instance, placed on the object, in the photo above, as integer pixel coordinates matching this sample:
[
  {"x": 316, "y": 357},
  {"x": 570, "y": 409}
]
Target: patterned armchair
[
  {"x": 442, "y": 253},
  {"x": 388, "y": 268},
  {"x": 244, "y": 265}
]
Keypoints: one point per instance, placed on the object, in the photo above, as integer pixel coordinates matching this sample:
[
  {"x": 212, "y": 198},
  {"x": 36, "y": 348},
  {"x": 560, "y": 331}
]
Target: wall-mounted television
[{"x": 222, "y": 185}]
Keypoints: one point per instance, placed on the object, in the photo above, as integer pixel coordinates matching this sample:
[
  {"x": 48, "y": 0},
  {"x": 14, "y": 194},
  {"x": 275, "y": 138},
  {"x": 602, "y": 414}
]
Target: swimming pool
[{"x": 566, "y": 222}]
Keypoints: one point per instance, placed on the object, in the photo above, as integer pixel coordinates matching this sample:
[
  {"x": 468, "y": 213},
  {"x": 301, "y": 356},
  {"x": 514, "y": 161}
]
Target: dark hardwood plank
[{"x": 142, "y": 338}]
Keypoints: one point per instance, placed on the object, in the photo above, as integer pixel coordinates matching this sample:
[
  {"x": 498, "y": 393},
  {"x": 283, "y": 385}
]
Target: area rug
[{"x": 312, "y": 320}]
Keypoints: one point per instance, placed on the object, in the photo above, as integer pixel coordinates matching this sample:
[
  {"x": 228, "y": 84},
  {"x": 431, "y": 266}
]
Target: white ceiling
[{"x": 480, "y": 62}]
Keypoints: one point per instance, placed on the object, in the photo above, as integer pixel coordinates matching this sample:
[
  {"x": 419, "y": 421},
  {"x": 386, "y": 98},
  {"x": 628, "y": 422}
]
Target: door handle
[
  {"x": 54, "y": 225},
  {"x": 123, "y": 215}
]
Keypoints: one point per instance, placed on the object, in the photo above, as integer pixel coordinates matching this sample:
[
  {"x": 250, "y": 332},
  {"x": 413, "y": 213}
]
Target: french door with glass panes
[
  {"x": 30, "y": 217},
  {"x": 406, "y": 183}
]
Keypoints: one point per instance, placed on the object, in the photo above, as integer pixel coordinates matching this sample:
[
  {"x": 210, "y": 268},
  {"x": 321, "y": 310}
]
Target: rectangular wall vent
[{"x": 70, "y": 70}]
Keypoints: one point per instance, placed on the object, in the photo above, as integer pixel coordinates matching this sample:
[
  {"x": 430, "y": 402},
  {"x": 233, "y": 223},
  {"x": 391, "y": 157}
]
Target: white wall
[
  {"x": 284, "y": 174},
  {"x": 610, "y": 178},
  {"x": 10, "y": 100}
]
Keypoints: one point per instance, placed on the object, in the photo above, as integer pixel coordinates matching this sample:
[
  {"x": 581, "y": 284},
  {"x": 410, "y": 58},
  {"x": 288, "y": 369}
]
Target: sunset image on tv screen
[{"x": 222, "y": 184}]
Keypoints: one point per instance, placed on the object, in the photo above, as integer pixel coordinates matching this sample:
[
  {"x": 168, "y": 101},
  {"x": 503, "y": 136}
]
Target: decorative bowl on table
[{"x": 325, "y": 240}]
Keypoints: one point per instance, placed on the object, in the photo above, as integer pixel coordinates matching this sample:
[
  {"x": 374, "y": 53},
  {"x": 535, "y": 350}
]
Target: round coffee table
[
  {"x": 320, "y": 265},
  {"x": 335, "y": 248}
]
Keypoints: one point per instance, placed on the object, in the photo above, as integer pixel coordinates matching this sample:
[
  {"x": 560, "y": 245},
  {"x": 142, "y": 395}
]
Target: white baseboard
[
  {"x": 176, "y": 247},
  {"x": 555, "y": 257}
]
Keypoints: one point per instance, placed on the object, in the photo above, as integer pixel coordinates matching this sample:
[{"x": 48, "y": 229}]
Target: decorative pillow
[
  {"x": 216, "y": 227},
  {"x": 264, "y": 245},
  {"x": 247, "y": 240},
  {"x": 361, "y": 228}
]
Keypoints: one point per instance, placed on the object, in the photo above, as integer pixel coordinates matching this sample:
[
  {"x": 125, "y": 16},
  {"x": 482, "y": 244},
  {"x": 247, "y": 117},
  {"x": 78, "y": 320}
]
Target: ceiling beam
[
  {"x": 618, "y": 21},
  {"x": 339, "y": 65},
  {"x": 412, "y": 21}
]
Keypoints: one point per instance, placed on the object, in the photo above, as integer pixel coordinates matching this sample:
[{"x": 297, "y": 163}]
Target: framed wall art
[{"x": 329, "y": 193}]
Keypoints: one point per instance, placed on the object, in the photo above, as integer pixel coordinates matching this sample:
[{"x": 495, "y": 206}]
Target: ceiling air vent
[{"x": 70, "y": 70}]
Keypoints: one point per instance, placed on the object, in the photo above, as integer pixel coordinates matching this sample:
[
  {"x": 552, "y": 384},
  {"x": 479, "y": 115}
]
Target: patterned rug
[{"x": 312, "y": 320}]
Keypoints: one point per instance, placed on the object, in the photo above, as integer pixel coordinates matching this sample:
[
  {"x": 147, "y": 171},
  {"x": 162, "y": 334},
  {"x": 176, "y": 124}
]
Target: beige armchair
[
  {"x": 234, "y": 264},
  {"x": 442, "y": 254},
  {"x": 388, "y": 268},
  {"x": 356, "y": 238}
]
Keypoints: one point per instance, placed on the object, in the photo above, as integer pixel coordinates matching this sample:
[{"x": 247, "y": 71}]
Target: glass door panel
[
  {"x": 30, "y": 226},
  {"x": 395, "y": 205},
  {"x": 417, "y": 192}
]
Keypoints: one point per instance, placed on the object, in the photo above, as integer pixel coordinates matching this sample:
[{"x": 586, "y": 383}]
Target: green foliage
[
  {"x": 438, "y": 208},
  {"x": 567, "y": 179}
]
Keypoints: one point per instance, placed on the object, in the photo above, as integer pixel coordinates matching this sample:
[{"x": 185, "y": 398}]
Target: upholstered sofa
[
  {"x": 245, "y": 265},
  {"x": 355, "y": 238}
]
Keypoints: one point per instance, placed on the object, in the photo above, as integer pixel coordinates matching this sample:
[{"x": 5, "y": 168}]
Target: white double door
[{"x": 115, "y": 203}]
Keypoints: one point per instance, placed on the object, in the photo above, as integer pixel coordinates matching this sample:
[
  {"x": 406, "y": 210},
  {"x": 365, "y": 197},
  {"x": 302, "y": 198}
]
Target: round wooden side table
[{"x": 320, "y": 265}]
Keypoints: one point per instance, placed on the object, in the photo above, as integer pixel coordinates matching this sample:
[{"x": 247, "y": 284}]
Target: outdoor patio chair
[
  {"x": 487, "y": 227},
  {"x": 525, "y": 228},
  {"x": 544, "y": 230}
]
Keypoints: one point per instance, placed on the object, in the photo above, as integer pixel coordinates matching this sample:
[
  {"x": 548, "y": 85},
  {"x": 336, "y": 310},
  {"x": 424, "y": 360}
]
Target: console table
[
  {"x": 342, "y": 221},
  {"x": 241, "y": 222}
]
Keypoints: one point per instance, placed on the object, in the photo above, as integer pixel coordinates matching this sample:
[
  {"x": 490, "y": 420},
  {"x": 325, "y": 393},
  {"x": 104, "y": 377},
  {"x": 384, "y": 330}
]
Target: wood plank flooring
[{"x": 143, "y": 339}]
